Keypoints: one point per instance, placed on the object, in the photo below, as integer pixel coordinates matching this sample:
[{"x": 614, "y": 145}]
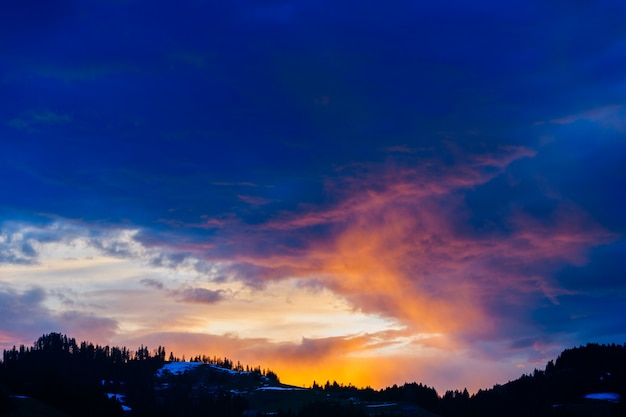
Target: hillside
[
  {"x": 21, "y": 406},
  {"x": 589, "y": 380},
  {"x": 73, "y": 379}
]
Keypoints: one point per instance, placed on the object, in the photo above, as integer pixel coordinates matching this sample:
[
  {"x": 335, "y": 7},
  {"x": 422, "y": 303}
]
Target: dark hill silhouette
[
  {"x": 557, "y": 390},
  {"x": 90, "y": 380}
]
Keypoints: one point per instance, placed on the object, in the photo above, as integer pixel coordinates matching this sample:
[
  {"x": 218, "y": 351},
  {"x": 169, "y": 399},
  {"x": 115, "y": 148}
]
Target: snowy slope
[
  {"x": 177, "y": 368},
  {"x": 603, "y": 396}
]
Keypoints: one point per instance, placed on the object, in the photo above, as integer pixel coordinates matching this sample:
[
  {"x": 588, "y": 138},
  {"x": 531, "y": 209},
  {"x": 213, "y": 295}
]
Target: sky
[{"x": 361, "y": 191}]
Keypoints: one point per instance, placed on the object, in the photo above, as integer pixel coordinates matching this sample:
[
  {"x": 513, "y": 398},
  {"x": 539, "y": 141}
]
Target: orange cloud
[
  {"x": 395, "y": 243},
  {"x": 397, "y": 246}
]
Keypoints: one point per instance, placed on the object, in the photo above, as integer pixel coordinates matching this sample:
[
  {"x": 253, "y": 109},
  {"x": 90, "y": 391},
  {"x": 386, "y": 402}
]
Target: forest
[{"x": 82, "y": 379}]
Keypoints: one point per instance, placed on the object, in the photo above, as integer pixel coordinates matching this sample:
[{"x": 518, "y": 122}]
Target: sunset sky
[{"x": 363, "y": 191}]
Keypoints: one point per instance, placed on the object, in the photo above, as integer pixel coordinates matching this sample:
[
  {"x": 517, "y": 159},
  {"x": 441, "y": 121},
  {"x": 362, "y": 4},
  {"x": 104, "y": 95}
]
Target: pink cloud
[
  {"x": 398, "y": 246},
  {"x": 254, "y": 200},
  {"x": 374, "y": 189},
  {"x": 612, "y": 116}
]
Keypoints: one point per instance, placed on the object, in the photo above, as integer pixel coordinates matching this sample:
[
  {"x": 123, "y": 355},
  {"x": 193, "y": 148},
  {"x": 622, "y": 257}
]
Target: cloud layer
[{"x": 437, "y": 186}]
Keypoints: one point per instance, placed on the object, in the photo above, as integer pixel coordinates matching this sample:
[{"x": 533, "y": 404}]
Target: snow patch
[
  {"x": 121, "y": 398},
  {"x": 177, "y": 368},
  {"x": 381, "y": 405},
  {"x": 603, "y": 396},
  {"x": 230, "y": 371}
]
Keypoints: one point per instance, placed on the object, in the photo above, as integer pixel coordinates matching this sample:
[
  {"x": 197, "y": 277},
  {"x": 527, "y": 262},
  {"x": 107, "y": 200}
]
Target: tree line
[{"x": 75, "y": 377}]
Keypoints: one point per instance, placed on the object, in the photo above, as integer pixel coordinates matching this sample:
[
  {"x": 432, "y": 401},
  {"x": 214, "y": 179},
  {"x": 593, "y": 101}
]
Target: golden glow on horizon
[{"x": 441, "y": 367}]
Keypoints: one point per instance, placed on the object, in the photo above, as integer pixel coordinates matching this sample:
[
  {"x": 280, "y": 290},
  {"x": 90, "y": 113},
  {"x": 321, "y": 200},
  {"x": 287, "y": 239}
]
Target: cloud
[
  {"x": 21, "y": 309},
  {"x": 254, "y": 200},
  {"x": 86, "y": 326},
  {"x": 21, "y": 242},
  {"x": 118, "y": 243},
  {"x": 360, "y": 192},
  {"x": 400, "y": 149},
  {"x": 394, "y": 240},
  {"x": 198, "y": 295},
  {"x": 152, "y": 283},
  {"x": 26, "y": 317},
  {"x": 612, "y": 116},
  {"x": 22, "y": 254},
  {"x": 386, "y": 164},
  {"x": 417, "y": 266},
  {"x": 31, "y": 121},
  {"x": 25, "y": 243},
  {"x": 187, "y": 294},
  {"x": 397, "y": 242}
]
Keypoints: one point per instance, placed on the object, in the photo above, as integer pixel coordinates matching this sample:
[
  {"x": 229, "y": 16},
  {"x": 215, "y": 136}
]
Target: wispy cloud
[
  {"x": 612, "y": 116},
  {"x": 31, "y": 121},
  {"x": 254, "y": 200}
]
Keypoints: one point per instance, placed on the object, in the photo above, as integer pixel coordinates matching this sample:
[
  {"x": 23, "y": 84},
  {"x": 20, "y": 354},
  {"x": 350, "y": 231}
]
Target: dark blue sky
[{"x": 475, "y": 150}]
